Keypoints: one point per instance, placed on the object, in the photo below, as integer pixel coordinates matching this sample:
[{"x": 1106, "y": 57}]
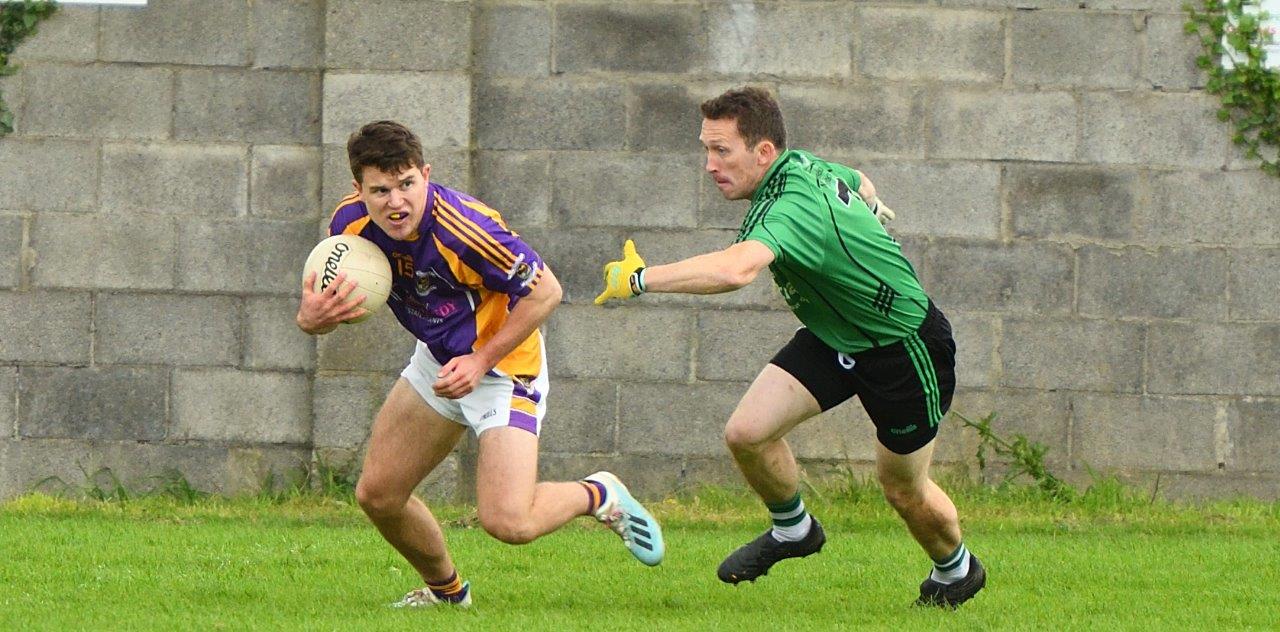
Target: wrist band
[{"x": 637, "y": 282}]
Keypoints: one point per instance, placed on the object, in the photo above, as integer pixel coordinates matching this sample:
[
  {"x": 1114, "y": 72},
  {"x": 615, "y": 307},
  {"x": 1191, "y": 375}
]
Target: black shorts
[{"x": 906, "y": 387}]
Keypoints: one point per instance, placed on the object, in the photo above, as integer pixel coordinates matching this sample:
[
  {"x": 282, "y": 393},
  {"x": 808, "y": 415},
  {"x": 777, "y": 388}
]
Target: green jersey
[{"x": 839, "y": 271}]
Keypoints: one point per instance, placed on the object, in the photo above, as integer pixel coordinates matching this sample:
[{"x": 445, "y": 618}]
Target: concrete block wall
[
  {"x": 162, "y": 185},
  {"x": 1063, "y": 188}
]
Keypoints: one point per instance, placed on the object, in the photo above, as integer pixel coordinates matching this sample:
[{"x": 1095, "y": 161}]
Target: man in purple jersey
[{"x": 473, "y": 294}]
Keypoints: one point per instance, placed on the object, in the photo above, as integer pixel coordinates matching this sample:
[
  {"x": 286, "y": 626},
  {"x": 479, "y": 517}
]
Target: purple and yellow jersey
[{"x": 454, "y": 285}]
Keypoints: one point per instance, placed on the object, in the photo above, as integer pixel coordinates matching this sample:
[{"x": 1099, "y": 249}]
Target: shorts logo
[
  {"x": 491, "y": 412},
  {"x": 903, "y": 430},
  {"x": 845, "y": 361}
]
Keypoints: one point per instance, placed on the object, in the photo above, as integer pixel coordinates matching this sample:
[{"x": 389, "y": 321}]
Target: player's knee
[
  {"x": 741, "y": 436},
  {"x": 508, "y": 527},
  {"x": 377, "y": 501},
  {"x": 902, "y": 495}
]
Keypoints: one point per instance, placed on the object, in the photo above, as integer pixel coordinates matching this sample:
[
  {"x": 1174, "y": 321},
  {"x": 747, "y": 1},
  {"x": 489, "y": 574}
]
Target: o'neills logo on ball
[{"x": 331, "y": 264}]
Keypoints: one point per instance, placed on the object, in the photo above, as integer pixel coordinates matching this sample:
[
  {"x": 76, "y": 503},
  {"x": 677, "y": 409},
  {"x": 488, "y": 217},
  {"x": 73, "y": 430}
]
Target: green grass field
[{"x": 1101, "y": 562}]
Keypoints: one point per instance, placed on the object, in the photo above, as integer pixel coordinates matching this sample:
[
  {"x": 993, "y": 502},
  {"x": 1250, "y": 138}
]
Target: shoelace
[
  {"x": 420, "y": 596},
  {"x": 617, "y": 521}
]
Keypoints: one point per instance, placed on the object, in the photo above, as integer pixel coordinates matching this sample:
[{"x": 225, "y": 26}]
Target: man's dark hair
[
  {"x": 385, "y": 145},
  {"x": 758, "y": 115}
]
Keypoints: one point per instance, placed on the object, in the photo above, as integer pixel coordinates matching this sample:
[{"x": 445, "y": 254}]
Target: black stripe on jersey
[
  {"x": 885, "y": 296},
  {"x": 756, "y": 215},
  {"x": 829, "y": 305},
  {"x": 845, "y": 247}
]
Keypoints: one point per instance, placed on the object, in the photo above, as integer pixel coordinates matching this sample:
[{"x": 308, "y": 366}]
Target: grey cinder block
[
  {"x": 512, "y": 40},
  {"x": 1164, "y": 283},
  {"x": 102, "y": 403},
  {"x": 284, "y": 181},
  {"x": 793, "y": 41},
  {"x": 241, "y": 406},
  {"x": 45, "y": 327},
  {"x": 379, "y": 344},
  {"x": 1000, "y": 125},
  {"x": 98, "y": 107},
  {"x": 643, "y": 190},
  {"x": 288, "y": 33},
  {"x": 345, "y": 406},
  {"x": 1075, "y": 48},
  {"x": 167, "y": 329},
  {"x": 623, "y": 37},
  {"x": 965, "y": 46},
  {"x": 675, "y": 419},
  {"x": 125, "y": 252},
  {"x": 272, "y": 338},
  {"x": 353, "y": 99},
  {"x": 1072, "y": 202},
  {"x": 246, "y": 256},
  {"x": 428, "y": 35},
  {"x": 198, "y": 179},
  {"x": 1135, "y": 431},
  {"x": 24, "y": 161},
  {"x": 1153, "y": 128},
  {"x": 1021, "y": 276},
  {"x": 1214, "y": 359},
  {"x": 1255, "y": 275},
  {"x": 953, "y": 199},
  {"x": 574, "y": 349},
  {"x": 735, "y": 345},
  {"x": 867, "y": 121},
  {"x": 192, "y": 32},
  {"x": 1090, "y": 355},
  {"x": 581, "y": 417},
  {"x": 544, "y": 114},
  {"x": 257, "y": 106}
]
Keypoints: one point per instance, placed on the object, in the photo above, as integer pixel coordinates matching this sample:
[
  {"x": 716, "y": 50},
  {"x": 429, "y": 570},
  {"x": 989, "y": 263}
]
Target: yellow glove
[
  {"x": 623, "y": 279},
  {"x": 881, "y": 211}
]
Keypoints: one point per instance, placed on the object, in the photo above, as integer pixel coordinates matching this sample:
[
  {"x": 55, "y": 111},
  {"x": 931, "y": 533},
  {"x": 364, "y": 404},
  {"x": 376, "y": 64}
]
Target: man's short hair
[
  {"x": 758, "y": 115},
  {"x": 385, "y": 145}
]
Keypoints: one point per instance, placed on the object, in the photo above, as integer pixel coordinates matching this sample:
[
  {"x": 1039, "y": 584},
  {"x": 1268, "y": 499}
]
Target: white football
[{"x": 364, "y": 263}]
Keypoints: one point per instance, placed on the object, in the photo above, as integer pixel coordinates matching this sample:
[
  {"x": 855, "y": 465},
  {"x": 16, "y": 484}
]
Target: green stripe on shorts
[{"x": 928, "y": 379}]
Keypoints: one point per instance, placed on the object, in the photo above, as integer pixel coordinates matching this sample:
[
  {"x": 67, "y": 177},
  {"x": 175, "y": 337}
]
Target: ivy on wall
[
  {"x": 17, "y": 21},
  {"x": 1233, "y": 30}
]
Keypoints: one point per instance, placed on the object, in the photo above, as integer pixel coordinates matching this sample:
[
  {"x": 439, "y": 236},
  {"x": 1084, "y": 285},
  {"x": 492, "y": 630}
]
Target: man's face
[
  {"x": 736, "y": 169},
  {"x": 396, "y": 201}
]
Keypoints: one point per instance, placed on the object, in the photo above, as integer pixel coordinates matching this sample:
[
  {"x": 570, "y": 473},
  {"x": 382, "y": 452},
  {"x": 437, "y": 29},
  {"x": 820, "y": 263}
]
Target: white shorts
[{"x": 495, "y": 402}]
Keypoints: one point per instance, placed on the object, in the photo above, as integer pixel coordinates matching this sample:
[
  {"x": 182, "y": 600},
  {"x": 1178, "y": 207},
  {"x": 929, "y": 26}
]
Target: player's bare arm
[
  {"x": 726, "y": 270},
  {"x": 712, "y": 273},
  {"x": 867, "y": 191},
  {"x": 321, "y": 312},
  {"x": 461, "y": 374}
]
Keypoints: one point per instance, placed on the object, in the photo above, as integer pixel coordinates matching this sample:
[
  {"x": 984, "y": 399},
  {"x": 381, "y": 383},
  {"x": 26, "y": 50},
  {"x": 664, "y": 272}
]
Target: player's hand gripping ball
[{"x": 364, "y": 263}]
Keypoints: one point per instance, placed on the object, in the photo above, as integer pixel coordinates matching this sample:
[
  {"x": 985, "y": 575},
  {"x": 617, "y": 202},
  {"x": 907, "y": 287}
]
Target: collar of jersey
[{"x": 772, "y": 173}]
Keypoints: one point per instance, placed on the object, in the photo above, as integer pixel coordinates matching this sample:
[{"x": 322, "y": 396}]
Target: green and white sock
[
  {"x": 790, "y": 521},
  {"x": 953, "y": 568}
]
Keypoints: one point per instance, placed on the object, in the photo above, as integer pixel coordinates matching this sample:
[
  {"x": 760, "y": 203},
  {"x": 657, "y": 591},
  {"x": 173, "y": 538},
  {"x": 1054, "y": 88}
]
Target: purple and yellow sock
[
  {"x": 596, "y": 495},
  {"x": 451, "y": 589}
]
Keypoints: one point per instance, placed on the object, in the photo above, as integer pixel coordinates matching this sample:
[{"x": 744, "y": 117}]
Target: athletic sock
[
  {"x": 452, "y": 589},
  {"x": 952, "y": 568},
  {"x": 790, "y": 521},
  {"x": 597, "y": 494}
]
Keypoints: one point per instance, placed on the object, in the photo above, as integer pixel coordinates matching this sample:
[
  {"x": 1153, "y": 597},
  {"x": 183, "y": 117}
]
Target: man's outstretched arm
[
  {"x": 712, "y": 273},
  {"x": 867, "y": 192}
]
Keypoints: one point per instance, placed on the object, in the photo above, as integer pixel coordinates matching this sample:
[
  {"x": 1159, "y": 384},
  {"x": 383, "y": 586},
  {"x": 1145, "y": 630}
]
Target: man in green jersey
[{"x": 869, "y": 330}]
